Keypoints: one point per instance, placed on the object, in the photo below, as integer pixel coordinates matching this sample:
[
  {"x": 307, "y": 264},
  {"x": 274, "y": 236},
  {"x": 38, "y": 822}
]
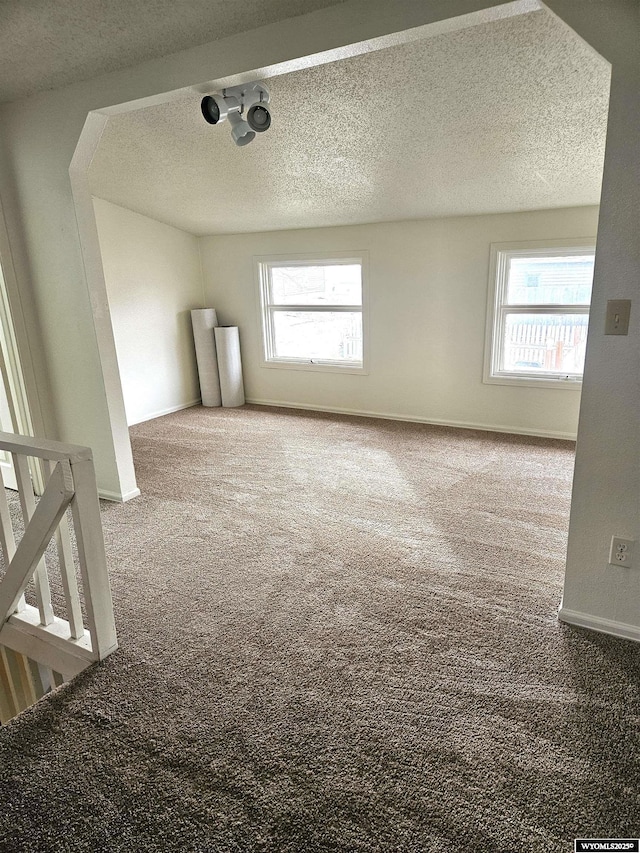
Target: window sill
[
  {"x": 315, "y": 368},
  {"x": 535, "y": 382}
]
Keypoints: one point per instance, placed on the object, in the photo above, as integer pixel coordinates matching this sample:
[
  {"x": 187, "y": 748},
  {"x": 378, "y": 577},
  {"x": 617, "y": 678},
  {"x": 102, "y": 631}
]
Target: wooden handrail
[{"x": 43, "y": 448}]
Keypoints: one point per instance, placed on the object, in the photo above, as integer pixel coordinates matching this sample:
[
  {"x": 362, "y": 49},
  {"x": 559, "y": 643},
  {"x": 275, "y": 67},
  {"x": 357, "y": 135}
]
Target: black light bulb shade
[
  {"x": 210, "y": 110},
  {"x": 259, "y": 118}
]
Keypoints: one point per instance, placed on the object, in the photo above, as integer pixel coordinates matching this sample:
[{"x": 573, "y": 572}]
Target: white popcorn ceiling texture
[
  {"x": 45, "y": 44},
  {"x": 501, "y": 117}
]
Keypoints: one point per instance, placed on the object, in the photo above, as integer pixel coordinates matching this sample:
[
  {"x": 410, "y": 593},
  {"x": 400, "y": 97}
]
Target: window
[
  {"x": 312, "y": 312},
  {"x": 538, "y": 313}
]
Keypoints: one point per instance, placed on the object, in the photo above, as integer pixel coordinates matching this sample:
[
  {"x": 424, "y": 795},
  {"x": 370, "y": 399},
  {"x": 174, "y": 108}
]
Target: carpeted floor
[{"x": 337, "y": 634}]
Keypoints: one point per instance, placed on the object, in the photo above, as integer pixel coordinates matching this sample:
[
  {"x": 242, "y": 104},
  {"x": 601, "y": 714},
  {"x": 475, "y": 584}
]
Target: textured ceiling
[
  {"x": 500, "y": 117},
  {"x": 45, "y": 44}
]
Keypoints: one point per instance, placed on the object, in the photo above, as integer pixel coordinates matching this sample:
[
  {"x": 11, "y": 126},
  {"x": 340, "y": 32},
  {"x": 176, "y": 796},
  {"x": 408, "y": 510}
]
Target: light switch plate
[{"x": 617, "y": 320}]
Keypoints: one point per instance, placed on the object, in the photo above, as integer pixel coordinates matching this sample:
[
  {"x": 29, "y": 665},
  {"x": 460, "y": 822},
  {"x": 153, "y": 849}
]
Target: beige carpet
[{"x": 337, "y": 634}]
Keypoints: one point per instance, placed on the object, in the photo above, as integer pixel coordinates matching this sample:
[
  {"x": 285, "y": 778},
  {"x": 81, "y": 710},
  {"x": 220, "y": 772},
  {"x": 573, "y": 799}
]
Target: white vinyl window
[
  {"x": 312, "y": 312},
  {"x": 538, "y": 313}
]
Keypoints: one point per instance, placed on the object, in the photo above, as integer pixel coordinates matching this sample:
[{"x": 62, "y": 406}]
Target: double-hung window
[
  {"x": 312, "y": 312},
  {"x": 538, "y": 312}
]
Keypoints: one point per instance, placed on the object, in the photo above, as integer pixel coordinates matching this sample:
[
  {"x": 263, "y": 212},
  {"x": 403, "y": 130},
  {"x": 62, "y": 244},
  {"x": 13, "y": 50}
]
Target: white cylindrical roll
[
  {"x": 229, "y": 365},
  {"x": 204, "y": 321}
]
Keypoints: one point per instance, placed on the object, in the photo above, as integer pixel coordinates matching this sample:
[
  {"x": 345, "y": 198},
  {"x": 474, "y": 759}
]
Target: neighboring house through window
[
  {"x": 312, "y": 312},
  {"x": 538, "y": 312}
]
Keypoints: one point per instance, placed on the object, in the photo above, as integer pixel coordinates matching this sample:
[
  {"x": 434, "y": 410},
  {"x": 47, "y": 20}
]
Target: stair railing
[{"x": 68, "y": 640}]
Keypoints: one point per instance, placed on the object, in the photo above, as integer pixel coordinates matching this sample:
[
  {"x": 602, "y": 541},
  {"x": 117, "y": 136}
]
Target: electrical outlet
[{"x": 621, "y": 552}]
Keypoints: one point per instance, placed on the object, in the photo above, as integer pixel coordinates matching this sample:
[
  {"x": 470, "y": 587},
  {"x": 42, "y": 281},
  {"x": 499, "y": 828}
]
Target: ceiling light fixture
[{"x": 245, "y": 108}]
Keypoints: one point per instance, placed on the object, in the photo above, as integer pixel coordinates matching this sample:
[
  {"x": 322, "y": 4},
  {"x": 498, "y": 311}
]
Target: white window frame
[
  {"x": 266, "y": 310},
  {"x": 497, "y": 309}
]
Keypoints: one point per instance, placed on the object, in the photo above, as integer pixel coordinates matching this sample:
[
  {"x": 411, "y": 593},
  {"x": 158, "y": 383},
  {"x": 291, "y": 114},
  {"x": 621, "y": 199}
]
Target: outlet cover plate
[{"x": 621, "y": 552}]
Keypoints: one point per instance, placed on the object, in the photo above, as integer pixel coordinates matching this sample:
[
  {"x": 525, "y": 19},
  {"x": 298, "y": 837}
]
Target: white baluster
[{"x": 28, "y": 504}]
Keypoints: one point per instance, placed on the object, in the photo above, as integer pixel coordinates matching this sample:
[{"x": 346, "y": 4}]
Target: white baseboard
[
  {"x": 393, "y": 416},
  {"x": 116, "y": 497},
  {"x": 168, "y": 411},
  {"x": 596, "y": 623}
]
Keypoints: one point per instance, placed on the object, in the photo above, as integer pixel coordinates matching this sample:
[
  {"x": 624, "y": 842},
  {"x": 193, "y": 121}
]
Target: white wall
[
  {"x": 428, "y": 296},
  {"x": 606, "y": 488},
  {"x": 153, "y": 277},
  {"x": 62, "y": 304}
]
